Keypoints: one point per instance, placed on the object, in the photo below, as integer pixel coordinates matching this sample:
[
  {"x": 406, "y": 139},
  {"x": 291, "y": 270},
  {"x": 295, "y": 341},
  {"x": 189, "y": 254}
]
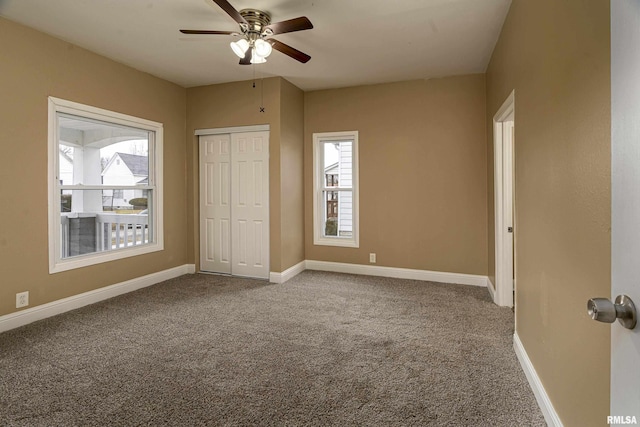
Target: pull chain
[
  {"x": 261, "y": 88},
  {"x": 262, "y": 94}
]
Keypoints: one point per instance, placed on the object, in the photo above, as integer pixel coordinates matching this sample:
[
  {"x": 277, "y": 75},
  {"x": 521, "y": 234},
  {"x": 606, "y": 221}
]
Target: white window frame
[
  {"x": 56, "y": 262},
  {"x": 319, "y": 186}
]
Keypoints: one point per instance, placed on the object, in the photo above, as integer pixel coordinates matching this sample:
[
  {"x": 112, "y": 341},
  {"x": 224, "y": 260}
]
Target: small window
[
  {"x": 99, "y": 161},
  {"x": 335, "y": 202}
]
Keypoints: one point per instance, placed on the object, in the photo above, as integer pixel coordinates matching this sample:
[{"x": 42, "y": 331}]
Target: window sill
[
  {"x": 336, "y": 241},
  {"x": 99, "y": 258}
]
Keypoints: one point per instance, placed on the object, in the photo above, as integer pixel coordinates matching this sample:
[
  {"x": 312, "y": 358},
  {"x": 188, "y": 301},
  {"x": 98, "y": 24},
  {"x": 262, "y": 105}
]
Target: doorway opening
[{"x": 503, "y": 151}]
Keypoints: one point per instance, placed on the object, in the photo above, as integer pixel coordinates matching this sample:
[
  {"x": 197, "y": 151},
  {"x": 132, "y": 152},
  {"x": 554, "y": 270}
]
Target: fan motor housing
[{"x": 257, "y": 19}]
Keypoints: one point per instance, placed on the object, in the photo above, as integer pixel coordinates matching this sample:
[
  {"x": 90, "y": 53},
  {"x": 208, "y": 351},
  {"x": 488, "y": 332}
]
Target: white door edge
[{"x": 625, "y": 207}]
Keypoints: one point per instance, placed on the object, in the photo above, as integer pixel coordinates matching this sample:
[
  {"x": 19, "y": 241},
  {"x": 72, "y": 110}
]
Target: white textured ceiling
[{"x": 353, "y": 42}]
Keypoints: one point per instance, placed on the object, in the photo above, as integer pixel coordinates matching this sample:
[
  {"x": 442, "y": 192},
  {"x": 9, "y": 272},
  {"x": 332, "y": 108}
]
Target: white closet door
[
  {"x": 234, "y": 204},
  {"x": 215, "y": 203},
  {"x": 250, "y": 204}
]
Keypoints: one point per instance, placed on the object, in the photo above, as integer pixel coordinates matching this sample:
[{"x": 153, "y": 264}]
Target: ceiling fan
[{"x": 256, "y": 30}]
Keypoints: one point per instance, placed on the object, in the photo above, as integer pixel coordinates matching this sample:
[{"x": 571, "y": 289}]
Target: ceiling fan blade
[
  {"x": 231, "y": 11},
  {"x": 288, "y": 50},
  {"x": 289, "y": 26},
  {"x": 227, "y": 33},
  {"x": 247, "y": 58}
]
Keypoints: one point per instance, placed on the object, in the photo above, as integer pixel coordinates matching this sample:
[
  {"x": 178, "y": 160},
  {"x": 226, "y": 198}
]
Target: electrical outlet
[
  {"x": 372, "y": 258},
  {"x": 22, "y": 299}
]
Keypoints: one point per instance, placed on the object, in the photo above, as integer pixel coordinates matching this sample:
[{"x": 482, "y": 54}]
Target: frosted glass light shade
[
  {"x": 240, "y": 47},
  {"x": 257, "y": 59},
  {"x": 262, "y": 48}
]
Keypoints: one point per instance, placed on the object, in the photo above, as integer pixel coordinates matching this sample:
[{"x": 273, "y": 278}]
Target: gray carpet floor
[{"x": 323, "y": 349}]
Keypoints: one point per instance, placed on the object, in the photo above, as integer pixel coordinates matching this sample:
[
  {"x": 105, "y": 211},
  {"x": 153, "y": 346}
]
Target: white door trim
[
  {"x": 503, "y": 201},
  {"x": 234, "y": 129}
]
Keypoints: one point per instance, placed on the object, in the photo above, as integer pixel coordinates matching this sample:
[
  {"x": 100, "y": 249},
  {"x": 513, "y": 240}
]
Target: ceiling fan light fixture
[
  {"x": 257, "y": 59},
  {"x": 262, "y": 48},
  {"x": 240, "y": 47},
  {"x": 255, "y": 42}
]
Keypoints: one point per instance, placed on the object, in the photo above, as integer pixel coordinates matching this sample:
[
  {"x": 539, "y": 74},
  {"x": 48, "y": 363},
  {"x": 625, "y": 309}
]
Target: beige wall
[
  {"x": 238, "y": 104},
  {"x": 292, "y": 175},
  {"x": 422, "y": 172},
  {"x": 227, "y": 105},
  {"x": 35, "y": 66},
  {"x": 556, "y": 55}
]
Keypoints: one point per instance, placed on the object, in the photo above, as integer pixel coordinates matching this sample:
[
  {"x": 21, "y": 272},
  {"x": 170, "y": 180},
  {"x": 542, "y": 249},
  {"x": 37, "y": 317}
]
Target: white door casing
[
  {"x": 625, "y": 202},
  {"x": 503, "y": 149},
  {"x": 234, "y": 204}
]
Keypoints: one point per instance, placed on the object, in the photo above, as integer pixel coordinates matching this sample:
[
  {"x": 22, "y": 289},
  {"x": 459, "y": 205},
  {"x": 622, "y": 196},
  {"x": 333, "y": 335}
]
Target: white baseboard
[
  {"x": 24, "y": 317},
  {"x": 550, "y": 414},
  {"x": 399, "y": 273},
  {"x": 492, "y": 289},
  {"x": 29, "y": 315},
  {"x": 289, "y": 273}
]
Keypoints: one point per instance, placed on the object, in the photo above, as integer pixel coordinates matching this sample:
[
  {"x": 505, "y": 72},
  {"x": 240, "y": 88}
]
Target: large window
[
  {"x": 105, "y": 185},
  {"x": 335, "y": 186}
]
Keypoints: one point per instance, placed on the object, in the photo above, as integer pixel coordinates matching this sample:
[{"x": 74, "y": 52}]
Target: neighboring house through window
[
  {"x": 98, "y": 161},
  {"x": 331, "y": 175},
  {"x": 335, "y": 158},
  {"x": 128, "y": 169}
]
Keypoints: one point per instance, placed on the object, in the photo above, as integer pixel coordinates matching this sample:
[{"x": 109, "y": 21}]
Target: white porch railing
[
  {"x": 115, "y": 231},
  {"x": 109, "y": 231}
]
